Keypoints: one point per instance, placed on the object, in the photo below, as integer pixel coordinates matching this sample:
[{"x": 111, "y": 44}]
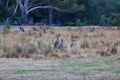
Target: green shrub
[
  {"x": 3, "y": 11},
  {"x": 6, "y": 27},
  {"x": 80, "y": 23},
  {"x": 40, "y": 46},
  {"x": 50, "y": 46},
  {"x": 31, "y": 48},
  {"x": 104, "y": 21},
  {"x": 69, "y": 24},
  {"x": 115, "y": 19}
]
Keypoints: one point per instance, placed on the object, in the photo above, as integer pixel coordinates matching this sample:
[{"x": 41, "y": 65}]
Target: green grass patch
[
  {"x": 109, "y": 62},
  {"x": 82, "y": 64},
  {"x": 102, "y": 69},
  {"x": 116, "y": 71},
  {"x": 113, "y": 70},
  {"x": 86, "y": 64},
  {"x": 24, "y": 71},
  {"x": 83, "y": 72},
  {"x": 54, "y": 69},
  {"x": 34, "y": 71}
]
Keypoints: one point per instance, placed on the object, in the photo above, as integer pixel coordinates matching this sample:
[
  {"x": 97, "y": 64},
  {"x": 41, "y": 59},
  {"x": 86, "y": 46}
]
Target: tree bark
[
  {"x": 50, "y": 16},
  {"x": 7, "y": 3},
  {"x": 24, "y": 17},
  {"x": 26, "y": 2},
  {"x": 23, "y": 13}
]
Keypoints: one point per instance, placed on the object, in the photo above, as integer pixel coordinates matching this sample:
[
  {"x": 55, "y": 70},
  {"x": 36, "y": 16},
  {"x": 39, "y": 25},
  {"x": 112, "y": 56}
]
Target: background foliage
[{"x": 77, "y": 12}]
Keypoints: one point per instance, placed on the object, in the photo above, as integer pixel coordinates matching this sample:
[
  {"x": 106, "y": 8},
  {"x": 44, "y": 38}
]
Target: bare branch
[
  {"x": 26, "y": 4},
  {"x": 47, "y": 7},
  {"x": 21, "y": 5},
  {"x": 15, "y": 7},
  {"x": 34, "y": 5}
]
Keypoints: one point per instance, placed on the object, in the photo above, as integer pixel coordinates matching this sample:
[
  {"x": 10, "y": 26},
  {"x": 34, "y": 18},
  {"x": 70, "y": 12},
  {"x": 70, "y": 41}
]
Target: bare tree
[{"x": 27, "y": 6}]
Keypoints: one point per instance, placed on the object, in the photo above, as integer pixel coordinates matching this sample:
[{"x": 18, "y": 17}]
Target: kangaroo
[
  {"x": 22, "y": 29},
  {"x": 61, "y": 44},
  {"x": 56, "y": 42}
]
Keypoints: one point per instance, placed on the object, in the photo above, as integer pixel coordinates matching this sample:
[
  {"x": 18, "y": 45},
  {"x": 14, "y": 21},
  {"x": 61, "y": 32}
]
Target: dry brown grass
[{"x": 103, "y": 41}]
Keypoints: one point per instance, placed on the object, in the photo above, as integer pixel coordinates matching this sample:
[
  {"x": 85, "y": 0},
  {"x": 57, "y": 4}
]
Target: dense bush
[
  {"x": 115, "y": 19},
  {"x": 71, "y": 13},
  {"x": 80, "y": 23},
  {"x": 69, "y": 24},
  {"x": 104, "y": 21},
  {"x": 3, "y": 12}
]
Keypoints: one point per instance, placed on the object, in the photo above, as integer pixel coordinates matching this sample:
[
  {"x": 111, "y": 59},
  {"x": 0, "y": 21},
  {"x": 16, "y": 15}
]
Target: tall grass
[{"x": 40, "y": 46}]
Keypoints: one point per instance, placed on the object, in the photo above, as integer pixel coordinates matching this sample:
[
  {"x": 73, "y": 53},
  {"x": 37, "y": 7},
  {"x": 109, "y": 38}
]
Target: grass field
[
  {"x": 66, "y": 69},
  {"x": 94, "y": 56},
  {"x": 34, "y": 42}
]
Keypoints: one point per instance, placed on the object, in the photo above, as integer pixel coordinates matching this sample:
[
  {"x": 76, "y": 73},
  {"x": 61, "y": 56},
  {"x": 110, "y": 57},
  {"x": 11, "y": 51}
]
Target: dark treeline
[{"x": 61, "y": 12}]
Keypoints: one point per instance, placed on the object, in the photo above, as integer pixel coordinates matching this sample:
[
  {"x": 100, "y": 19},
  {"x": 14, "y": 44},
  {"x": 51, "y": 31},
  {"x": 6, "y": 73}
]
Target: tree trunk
[
  {"x": 50, "y": 16},
  {"x": 23, "y": 13},
  {"x": 15, "y": 8},
  {"x": 7, "y": 3},
  {"x": 59, "y": 19},
  {"x": 24, "y": 17}
]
